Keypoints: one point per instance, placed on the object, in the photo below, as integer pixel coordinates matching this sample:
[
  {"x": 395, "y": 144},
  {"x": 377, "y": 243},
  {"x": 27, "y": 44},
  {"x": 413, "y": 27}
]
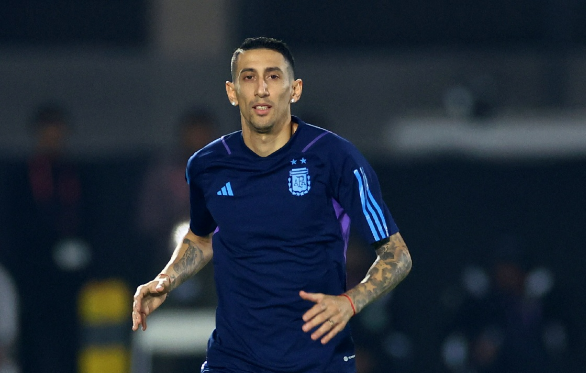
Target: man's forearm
[
  {"x": 188, "y": 259},
  {"x": 392, "y": 265}
]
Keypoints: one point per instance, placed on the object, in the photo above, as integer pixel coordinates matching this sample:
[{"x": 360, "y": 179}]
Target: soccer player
[{"x": 272, "y": 204}]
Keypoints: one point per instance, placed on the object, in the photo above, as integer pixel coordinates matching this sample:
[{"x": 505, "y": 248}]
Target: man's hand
[
  {"x": 331, "y": 313},
  {"x": 149, "y": 297}
]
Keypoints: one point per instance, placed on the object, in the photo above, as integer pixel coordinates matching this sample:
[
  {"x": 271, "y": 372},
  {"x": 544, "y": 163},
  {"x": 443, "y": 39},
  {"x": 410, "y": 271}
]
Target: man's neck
[{"x": 265, "y": 144}]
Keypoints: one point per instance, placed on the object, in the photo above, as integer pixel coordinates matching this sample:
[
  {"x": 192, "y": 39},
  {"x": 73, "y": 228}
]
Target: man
[
  {"x": 47, "y": 191},
  {"x": 9, "y": 323},
  {"x": 272, "y": 204}
]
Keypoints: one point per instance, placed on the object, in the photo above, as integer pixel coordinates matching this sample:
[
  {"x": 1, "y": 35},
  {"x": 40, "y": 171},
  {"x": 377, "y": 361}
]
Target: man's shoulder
[
  {"x": 212, "y": 152},
  {"x": 323, "y": 140},
  {"x": 216, "y": 149}
]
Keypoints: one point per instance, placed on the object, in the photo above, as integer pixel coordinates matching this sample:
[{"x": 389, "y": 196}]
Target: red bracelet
[
  {"x": 351, "y": 303},
  {"x": 164, "y": 274}
]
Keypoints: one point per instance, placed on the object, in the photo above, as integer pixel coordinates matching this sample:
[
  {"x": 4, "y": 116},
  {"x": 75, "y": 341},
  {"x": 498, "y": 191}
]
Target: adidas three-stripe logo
[
  {"x": 370, "y": 208},
  {"x": 226, "y": 190}
]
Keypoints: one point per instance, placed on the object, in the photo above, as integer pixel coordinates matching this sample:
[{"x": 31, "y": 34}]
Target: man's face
[{"x": 263, "y": 88}]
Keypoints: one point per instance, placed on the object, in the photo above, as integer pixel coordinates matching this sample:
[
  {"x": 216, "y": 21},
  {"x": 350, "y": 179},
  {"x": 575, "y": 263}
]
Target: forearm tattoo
[
  {"x": 391, "y": 266},
  {"x": 190, "y": 263}
]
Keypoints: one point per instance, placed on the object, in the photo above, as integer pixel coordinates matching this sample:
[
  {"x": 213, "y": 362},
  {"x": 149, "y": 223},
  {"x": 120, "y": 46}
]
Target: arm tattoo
[
  {"x": 190, "y": 263},
  {"x": 391, "y": 267}
]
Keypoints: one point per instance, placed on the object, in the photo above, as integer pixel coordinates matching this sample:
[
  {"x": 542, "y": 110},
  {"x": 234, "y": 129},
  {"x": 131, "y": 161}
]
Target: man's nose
[{"x": 262, "y": 89}]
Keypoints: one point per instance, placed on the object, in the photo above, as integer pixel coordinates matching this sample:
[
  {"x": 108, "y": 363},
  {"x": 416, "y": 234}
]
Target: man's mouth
[{"x": 261, "y": 109}]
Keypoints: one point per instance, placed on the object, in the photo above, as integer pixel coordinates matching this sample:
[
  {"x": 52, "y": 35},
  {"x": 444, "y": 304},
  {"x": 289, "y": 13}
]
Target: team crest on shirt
[{"x": 299, "y": 181}]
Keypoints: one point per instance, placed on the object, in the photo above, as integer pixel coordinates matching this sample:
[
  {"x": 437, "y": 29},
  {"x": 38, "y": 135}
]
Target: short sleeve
[
  {"x": 357, "y": 190},
  {"x": 201, "y": 221}
]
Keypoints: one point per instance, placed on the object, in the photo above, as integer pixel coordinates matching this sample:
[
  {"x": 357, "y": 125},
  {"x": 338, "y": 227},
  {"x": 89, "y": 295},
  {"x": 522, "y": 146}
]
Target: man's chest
[{"x": 290, "y": 192}]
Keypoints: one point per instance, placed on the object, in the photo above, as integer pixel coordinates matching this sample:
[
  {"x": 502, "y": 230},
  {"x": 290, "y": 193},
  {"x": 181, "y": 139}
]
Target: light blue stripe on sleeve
[
  {"x": 378, "y": 217},
  {"x": 363, "y": 200},
  {"x": 380, "y": 214},
  {"x": 381, "y": 217}
]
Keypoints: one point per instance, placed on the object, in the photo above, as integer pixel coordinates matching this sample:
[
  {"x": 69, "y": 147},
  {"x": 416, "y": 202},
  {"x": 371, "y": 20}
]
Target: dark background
[
  {"x": 304, "y": 23},
  {"x": 454, "y": 210}
]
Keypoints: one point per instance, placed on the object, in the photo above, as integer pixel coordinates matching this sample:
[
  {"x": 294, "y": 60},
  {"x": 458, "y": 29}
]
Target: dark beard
[{"x": 263, "y": 130}]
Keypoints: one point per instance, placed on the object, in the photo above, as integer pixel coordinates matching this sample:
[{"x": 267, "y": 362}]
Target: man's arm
[
  {"x": 391, "y": 266},
  {"x": 332, "y": 313},
  {"x": 188, "y": 258}
]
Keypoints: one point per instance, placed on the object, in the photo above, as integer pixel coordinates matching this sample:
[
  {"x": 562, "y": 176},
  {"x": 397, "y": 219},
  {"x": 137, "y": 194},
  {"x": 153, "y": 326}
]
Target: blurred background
[{"x": 472, "y": 113}]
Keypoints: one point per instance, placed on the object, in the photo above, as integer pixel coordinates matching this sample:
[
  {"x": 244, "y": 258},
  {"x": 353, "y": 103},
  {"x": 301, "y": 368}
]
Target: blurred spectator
[
  {"x": 163, "y": 206},
  {"x": 46, "y": 209},
  {"x": 9, "y": 327},
  {"x": 7, "y": 255},
  {"x": 53, "y": 183},
  {"x": 163, "y": 219},
  {"x": 504, "y": 323}
]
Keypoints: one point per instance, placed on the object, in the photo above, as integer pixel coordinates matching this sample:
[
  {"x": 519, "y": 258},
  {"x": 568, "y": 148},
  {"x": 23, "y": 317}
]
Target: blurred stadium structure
[{"x": 474, "y": 115}]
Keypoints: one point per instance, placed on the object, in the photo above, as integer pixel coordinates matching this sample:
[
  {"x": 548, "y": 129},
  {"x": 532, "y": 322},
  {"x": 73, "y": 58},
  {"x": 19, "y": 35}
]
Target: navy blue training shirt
[{"x": 282, "y": 225}]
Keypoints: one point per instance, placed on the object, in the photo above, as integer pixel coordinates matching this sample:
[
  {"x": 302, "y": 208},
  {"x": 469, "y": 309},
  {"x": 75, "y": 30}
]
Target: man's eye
[
  {"x": 273, "y": 76},
  {"x": 247, "y": 77}
]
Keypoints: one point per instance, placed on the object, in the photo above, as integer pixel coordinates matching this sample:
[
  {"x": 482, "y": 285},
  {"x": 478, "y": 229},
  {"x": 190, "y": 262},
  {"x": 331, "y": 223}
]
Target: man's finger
[
  {"x": 312, "y": 297},
  {"x": 316, "y": 309},
  {"x": 137, "y": 303},
  {"x": 137, "y": 319},
  {"x": 327, "y": 325},
  {"x": 134, "y": 321},
  {"x": 143, "y": 322},
  {"x": 335, "y": 330},
  {"x": 315, "y": 317},
  {"x": 140, "y": 291},
  {"x": 312, "y": 312}
]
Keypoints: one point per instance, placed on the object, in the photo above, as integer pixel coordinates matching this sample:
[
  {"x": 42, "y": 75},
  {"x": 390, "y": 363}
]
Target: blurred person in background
[
  {"x": 9, "y": 325},
  {"x": 163, "y": 206},
  {"x": 164, "y": 195},
  {"x": 46, "y": 206},
  {"x": 9, "y": 294},
  {"x": 510, "y": 320},
  {"x": 163, "y": 214},
  {"x": 277, "y": 199}
]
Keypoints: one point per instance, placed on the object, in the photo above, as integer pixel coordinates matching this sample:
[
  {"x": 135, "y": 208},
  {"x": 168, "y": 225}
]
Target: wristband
[
  {"x": 351, "y": 303},
  {"x": 164, "y": 274}
]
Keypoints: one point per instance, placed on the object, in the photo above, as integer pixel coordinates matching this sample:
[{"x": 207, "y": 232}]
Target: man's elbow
[{"x": 408, "y": 262}]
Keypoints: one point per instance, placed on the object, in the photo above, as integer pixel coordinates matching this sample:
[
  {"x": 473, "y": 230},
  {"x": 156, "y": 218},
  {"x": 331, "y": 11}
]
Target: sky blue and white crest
[{"x": 299, "y": 181}]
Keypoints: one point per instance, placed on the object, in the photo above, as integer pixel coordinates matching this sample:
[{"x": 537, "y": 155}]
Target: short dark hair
[{"x": 263, "y": 43}]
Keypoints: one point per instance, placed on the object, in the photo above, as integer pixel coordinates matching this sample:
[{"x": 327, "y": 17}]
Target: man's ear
[
  {"x": 297, "y": 88},
  {"x": 231, "y": 92}
]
